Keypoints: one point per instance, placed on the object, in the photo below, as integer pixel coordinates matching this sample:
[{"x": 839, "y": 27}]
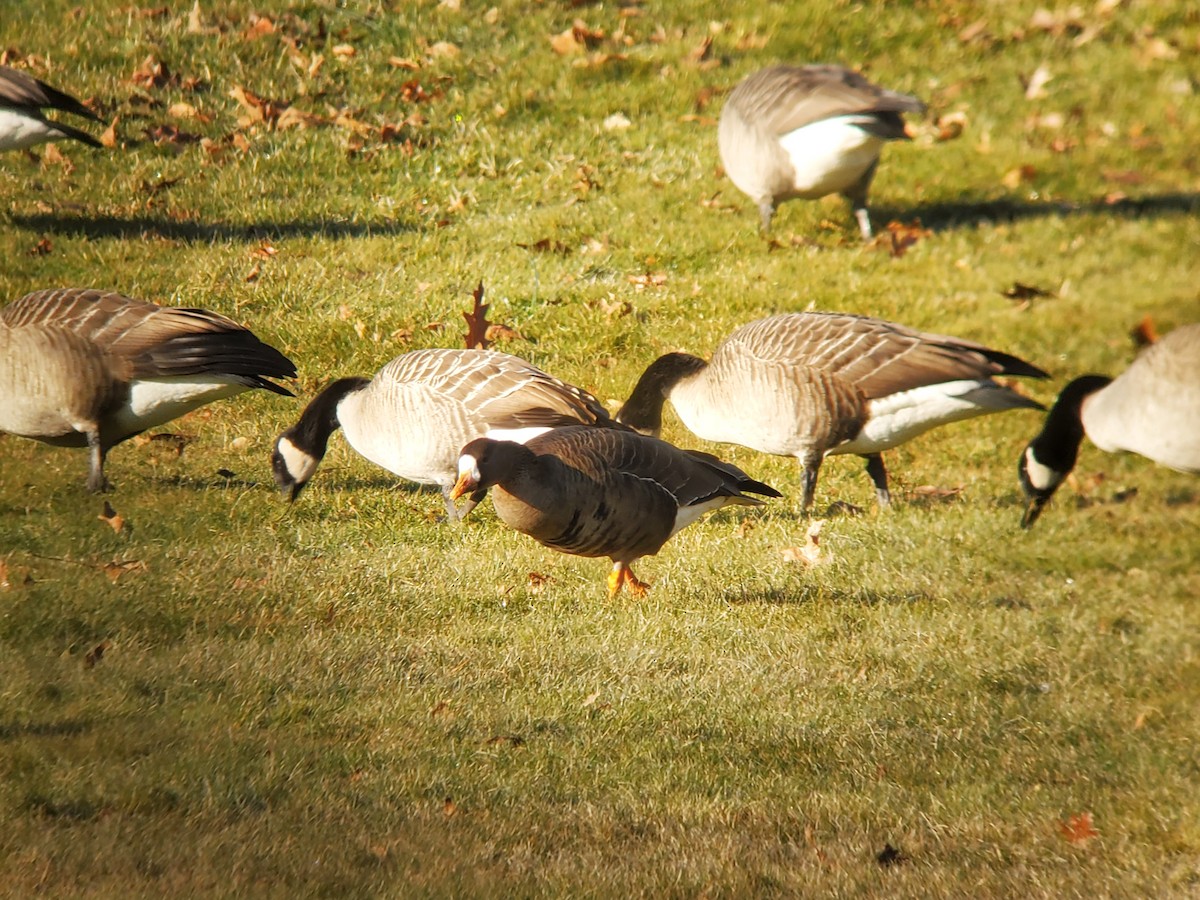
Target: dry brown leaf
[
  {"x": 900, "y": 237},
  {"x": 1144, "y": 333},
  {"x": 810, "y": 554},
  {"x": 151, "y": 73},
  {"x": 115, "y": 569},
  {"x": 700, "y": 52},
  {"x": 260, "y": 26},
  {"x": 109, "y": 137},
  {"x": 449, "y": 808},
  {"x": 477, "y": 323},
  {"x": 96, "y": 654},
  {"x": 650, "y": 279},
  {"x": 950, "y": 126},
  {"x": 1014, "y": 178},
  {"x": 42, "y": 247},
  {"x": 1078, "y": 828},
  {"x": 252, "y": 275},
  {"x": 403, "y": 62},
  {"x": 5, "y": 584},
  {"x": 444, "y": 50},
  {"x": 112, "y": 518},
  {"x": 344, "y": 51},
  {"x": 538, "y": 581},
  {"x": 498, "y": 333}
]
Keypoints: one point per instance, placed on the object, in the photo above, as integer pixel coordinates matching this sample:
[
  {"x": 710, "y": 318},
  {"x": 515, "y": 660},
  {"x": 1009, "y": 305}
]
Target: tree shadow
[
  {"x": 968, "y": 213},
  {"x": 193, "y": 231}
]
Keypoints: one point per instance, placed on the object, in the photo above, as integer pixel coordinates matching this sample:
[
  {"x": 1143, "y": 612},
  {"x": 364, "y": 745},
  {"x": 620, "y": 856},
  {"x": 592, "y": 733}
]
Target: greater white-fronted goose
[
  {"x": 22, "y": 122},
  {"x": 89, "y": 368},
  {"x": 414, "y": 416},
  {"x": 814, "y": 384},
  {"x": 809, "y": 131},
  {"x": 1151, "y": 409},
  {"x": 602, "y": 492}
]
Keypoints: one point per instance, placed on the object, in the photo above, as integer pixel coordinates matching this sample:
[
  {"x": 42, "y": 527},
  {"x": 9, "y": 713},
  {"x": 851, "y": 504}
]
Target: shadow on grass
[
  {"x": 10, "y": 731},
  {"x": 192, "y": 231},
  {"x": 969, "y": 213}
]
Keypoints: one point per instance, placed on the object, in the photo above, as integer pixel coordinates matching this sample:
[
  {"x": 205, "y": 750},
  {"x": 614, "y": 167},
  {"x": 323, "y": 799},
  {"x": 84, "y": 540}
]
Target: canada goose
[
  {"x": 89, "y": 368},
  {"x": 602, "y": 492},
  {"x": 1152, "y": 409},
  {"x": 22, "y": 123},
  {"x": 808, "y": 131},
  {"x": 414, "y": 416},
  {"x": 814, "y": 384}
]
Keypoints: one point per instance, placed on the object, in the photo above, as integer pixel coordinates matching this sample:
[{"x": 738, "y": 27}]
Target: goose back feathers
[
  {"x": 92, "y": 368},
  {"x": 418, "y": 411},
  {"x": 602, "y": 492},
  {"x": 22, "y": 122},
  {"x": 1151, "y": 409},
  {"x": 808, "y": 131},
  {"x": 814, "y": 384}
]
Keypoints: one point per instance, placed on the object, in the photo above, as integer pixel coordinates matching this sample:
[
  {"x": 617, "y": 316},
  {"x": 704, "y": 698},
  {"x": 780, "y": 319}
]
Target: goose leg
[
  {"x": 622, "y": 574},
  {"x": 878, "y": 473},
  {"x": 96, "y": 482},
  {"x": 766, "y": 209},
  {"x": 810, "y": 467},
  {"x": 857, "y": 195}
]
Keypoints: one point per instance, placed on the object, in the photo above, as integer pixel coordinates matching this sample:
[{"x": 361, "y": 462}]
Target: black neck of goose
[
  {"x": 1057, "y": 446},
  {"x": 320, "y": 418},
  {"x": 643, "y": 410}
]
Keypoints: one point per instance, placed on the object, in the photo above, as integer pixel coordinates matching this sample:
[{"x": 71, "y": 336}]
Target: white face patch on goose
[
  {"x": 468, "y": 466},
  {"x": 300, "y": 465},
  {"x": 1041, "y": 477}
]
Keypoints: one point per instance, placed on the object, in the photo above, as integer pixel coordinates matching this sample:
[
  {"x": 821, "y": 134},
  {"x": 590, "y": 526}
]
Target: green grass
[{"x": 347, "y": 697}]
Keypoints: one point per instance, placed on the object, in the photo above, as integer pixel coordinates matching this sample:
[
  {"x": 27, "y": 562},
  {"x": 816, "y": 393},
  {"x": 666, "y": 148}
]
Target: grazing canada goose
[
  {"x": 22, "y": 123},
  {"x": 808, "y": 131},
  {"x": 602, "y": 492},
  {"x": 1152, "y": 409},
  {"x": 414, "y": 416},
  {"x": 89, "y": 368},
  {"x": 814, "y": 384}
]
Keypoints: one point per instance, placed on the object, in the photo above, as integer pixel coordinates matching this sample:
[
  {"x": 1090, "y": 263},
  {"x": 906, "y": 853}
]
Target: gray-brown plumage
[
  {"x": 808, "y": 131},
  {"x": 414, "y": 416},
  {"x": 1152, "y": 409},
  {"x": 815, "y": 384},
  {"x": 82, "y": 367},
  {"x": 22, "y": 122},
  {"x": 602, "y": 492}
]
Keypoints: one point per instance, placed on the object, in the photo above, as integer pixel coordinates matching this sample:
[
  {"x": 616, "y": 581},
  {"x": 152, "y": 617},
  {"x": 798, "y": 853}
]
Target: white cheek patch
[
  {"x": 1041, "y": 477},
  {"x": 300, "y": 465},
  {"x": 468, "y": 467}
]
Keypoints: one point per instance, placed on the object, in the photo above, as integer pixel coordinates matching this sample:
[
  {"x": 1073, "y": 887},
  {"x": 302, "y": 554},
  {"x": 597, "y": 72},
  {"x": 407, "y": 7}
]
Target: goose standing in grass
[
  {"x": 814, "y": 384},
  {"x": 602, "y": 492},
  {"x": 418, "y": 411},
  {"x": 22, "y": 122},
  {"x": 89, "y": 368},
  {"x": 1152, "y": 409},
  {"x": 809, "y": 131}
]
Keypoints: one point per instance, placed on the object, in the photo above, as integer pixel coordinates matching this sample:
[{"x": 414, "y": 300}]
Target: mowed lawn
[{"x": 216, "y": 693}]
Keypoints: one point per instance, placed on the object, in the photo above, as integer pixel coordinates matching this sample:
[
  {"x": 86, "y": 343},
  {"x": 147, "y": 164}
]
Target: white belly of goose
[
  {"x": 902, "y": 416},
  {"x": 155, "y": 401},
  {"x": 20, "y": 130},
  {"x": 830, "y": 155}
]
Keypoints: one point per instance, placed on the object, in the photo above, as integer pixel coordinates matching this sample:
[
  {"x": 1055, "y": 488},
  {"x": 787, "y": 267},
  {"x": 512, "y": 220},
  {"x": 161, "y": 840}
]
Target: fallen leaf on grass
[
  {"x": 152, "y": 73},
  {"x": 650, "y": 279},
  {"x": 96, "y": 654},
  {"x": 1014, "y": 178},
  {"x": 889, "y": 856},
  {"x": 1144, "y": 333},
  {"x": 42, "y": 247},
  {"x": 950, "y": 126},
  {"x": 1035, "y": 84},
  {"x": 112, "y": 518},
  {"x": 900, "y": 237},
  {"x": 115, "y": 569},
  {"x": 477, "y": 323},
  {"x": 1078, "y": 828},
  {"x": 810, "y": 554},
  {"x": 449, "y": 808},
  {"x": 109, "y": 137}
]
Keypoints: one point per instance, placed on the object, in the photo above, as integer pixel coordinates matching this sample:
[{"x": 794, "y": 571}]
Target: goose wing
[
  {"x": 879, "y": 358},
  {"x": 781, "y": 99},
  {"x": 160, "y": 341},
  {"x": 20, "y": 90}
]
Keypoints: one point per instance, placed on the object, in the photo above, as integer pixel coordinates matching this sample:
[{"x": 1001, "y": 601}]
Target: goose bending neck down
[
  {"x": 811, "y": 385},
  {"x": 602, "y": 492},
  {"x": 82, "y": 367},
  {"x": 1152, "y": 409},
  {"x": 417, "y": 412}
]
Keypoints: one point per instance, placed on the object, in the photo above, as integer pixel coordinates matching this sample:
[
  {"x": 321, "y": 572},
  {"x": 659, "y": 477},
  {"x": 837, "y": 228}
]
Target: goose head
[
  {"x": 299, "y": 450},
  {"x": 1050, "y": 456},
  {"x": 643, "y": 410},
  {"x": 485, "y": 462}
]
